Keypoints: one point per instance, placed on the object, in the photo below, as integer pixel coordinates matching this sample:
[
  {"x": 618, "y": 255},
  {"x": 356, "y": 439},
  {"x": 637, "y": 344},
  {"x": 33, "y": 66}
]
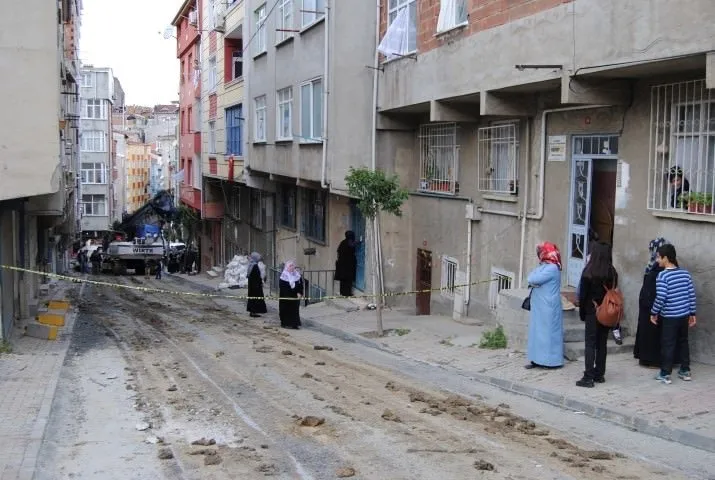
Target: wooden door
[{"x": 423, "y": 281}]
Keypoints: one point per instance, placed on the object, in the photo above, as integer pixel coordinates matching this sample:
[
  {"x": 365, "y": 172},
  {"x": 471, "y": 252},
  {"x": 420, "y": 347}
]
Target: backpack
[{"x": 610, "y": 312}]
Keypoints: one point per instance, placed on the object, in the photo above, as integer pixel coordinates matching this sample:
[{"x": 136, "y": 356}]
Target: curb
[{"x": 632, "y": 422}]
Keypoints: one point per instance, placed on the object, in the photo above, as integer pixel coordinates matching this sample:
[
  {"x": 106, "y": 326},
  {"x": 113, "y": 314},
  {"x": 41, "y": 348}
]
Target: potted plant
[
  {"x": 705, "y": 204},
  {"x": 698, "y": 202}
]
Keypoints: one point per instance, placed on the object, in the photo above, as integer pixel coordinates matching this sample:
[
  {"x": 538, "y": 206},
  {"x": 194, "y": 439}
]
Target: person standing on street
[
  {"x": 545, "y": 345},
  {"x": 256, "y": 305},
  {"x": 290, "y": 287},
  {"x": 346, "y": 264},
  {"x": 674, "y": 306},
  {"x": 598, "y": 275},
  {"x": 647, "y": 346}
]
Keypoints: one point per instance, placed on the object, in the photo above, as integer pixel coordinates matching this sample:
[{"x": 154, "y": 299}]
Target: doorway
[
  {"x": 357, "y": 225},
  {"x": 594, "y": 178},
  {"x": 423, "y": 281}
]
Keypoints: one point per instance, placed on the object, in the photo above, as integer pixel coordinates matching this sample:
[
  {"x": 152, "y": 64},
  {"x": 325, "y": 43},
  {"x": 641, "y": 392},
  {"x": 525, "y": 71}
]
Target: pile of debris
[{"x": 236, "y": 273}]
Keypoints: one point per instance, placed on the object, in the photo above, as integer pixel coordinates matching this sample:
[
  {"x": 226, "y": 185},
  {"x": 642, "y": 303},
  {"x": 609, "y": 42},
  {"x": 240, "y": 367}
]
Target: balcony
[
  {"x": 190, "y": 196},
  {"x": 213, "y": 210},
  {"x": 226, "y": 168}
]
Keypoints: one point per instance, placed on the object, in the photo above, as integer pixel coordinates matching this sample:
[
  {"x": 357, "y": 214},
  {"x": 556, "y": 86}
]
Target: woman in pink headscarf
[{"x": 545, "y": 346}]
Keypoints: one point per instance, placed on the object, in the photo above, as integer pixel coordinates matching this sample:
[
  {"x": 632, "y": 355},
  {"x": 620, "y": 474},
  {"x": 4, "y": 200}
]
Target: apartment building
[
  {"x": 40, "y": 149},
  {"x": 138, "y": 175},
  {"x": 309, "y": 118},
  {"x": 223, "y": 233},
  {"x": 99, "y": 91},
  {"x": 189, "y": 42},
  {"x": 515, "y": 122}
]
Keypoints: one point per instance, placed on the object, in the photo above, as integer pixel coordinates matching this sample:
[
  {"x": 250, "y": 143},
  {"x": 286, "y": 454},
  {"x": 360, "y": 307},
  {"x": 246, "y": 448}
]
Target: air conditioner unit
[
  {"x": 193, "y": 18},
  {"x": 220, "y": 22}
]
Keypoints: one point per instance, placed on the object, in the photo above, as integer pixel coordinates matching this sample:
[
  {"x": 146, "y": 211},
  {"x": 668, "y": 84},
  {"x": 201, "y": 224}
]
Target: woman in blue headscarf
[{"x": 647, "y": 347}]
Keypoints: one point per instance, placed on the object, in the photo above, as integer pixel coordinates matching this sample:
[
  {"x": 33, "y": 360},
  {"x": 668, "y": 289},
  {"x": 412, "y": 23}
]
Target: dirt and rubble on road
[{"x": 274, "y": 405}]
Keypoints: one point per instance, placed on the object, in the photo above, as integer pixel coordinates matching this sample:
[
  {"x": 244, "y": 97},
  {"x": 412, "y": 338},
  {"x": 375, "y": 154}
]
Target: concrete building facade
[
  {"x": 138, "y": 175},
  {"x": 515, "y": 122},
  {"x": 189, "y": 44},
  {"x": 39, "y": 160},
  {"x": 98, "y": 96},
  {"x": 308, "y": 119}
]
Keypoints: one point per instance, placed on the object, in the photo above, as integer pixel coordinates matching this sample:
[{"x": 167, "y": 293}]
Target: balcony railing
[
  {"x": 227, "y": 168},
  {"x": 317, "y": 284},
  {"x": 191, "y": 196}
]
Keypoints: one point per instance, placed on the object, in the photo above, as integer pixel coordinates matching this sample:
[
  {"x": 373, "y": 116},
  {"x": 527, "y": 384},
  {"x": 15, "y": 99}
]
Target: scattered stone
[
  {"x": 345, "y": 472},
  {"x": 323, "y": 347},
  {"x": 129, "y": 387},
  {"x": 311, "y": 421},
  {"x": 267, "y": 469},
  {"x": 264, "y": 349},
  {"x": 320, "y": 363},
  {"x": 154, "y": 440},
  {"x": 318, "y": 397},
  {"x": 141, "y": 426},
  {"x": 505, "y": 406},
  {"x": 203, "y": 451},
  {"x": 219, "y": 354},
  {"x": 204, "y": 442},
  {"x": 112, "y": 376},
  {"x": 213, "y": 459},
  {"x": 301, "y": 356},
  {"x": 599, "y": 468},
  {"x": 484, "y": 465},
  {"x": 599, "y": 455},
  {"x": 306, "y": 375},
  {"x": 264, "y": 446},
  {"x": 182, "y": 375},
  {"x": 390, "y": 416},
  {"x": 165, "y": 454},
  {"x": 417, "y": 397},
  {"x": 286, "y": 352},
  {"x": 391, "y": 386},
  {"x": 171, "y": 388},
  {"x": 456, "y": 401}
]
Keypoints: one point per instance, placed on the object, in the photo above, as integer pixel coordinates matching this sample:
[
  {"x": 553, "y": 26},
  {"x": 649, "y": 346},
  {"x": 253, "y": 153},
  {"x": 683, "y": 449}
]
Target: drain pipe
[
  {"x": 326, "y": 96},
  {"x": 542, "y": 165},
  {"x": 377, "y": 281},
  {"x": 468, "y": 288},
  {"x": 522, "y": 245}
]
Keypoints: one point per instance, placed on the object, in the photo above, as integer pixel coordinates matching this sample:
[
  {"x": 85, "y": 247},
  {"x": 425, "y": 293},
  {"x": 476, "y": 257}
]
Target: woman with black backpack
[{"x": 598, "y": 276}]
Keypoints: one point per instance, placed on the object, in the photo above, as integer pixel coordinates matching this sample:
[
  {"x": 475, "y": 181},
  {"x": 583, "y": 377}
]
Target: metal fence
[{"x": 317, "y": 283}]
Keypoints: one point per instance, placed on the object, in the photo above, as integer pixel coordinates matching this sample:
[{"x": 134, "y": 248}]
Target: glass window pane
[
  {"x": 305, "y": 111},
  {"x": 318, "y": 109}
]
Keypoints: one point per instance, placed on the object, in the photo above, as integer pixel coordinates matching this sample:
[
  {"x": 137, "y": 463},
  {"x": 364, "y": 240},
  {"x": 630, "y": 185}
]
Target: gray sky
[{"x": 124, "y": 35}]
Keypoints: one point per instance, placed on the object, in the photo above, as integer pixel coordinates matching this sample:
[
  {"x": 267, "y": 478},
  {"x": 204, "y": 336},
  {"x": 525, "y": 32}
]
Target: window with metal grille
[
  {"x": 439, "y": 158},
  {"x": 256, "y": 209},
  {"x": 449, "y": 276},
  {"x": 288, "y": 198},
  {"x": 498, "y": 158},
  {"x": 314, "y": 213},
  {"x": 500, "y": 280},
  {"x": 234, "y": 132},
  {"x": 682, "y": 148}
]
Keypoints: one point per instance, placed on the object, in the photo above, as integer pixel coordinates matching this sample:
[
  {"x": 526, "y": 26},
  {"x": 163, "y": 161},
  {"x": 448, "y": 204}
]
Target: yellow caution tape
[{"x": 230, "y": 297}]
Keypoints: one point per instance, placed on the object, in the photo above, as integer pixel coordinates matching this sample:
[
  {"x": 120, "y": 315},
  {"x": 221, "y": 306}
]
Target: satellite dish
[{"x": 168, "y": 32}]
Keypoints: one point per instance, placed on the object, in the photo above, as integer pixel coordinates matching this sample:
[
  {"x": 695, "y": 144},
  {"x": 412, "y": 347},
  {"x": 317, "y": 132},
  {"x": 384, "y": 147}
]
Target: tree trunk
[{"x": 379, "y": 291}]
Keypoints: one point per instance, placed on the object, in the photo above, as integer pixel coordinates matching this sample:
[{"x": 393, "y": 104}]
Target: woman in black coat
[
  {"x": 647, "y": 347},
  {"x": 255, "y": 305},
  {"x": 290, "y": 286},
  {"x": 346, "y": 264}
]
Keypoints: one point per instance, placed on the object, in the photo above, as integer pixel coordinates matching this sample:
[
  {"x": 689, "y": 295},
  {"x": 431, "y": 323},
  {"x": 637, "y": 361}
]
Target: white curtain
[
  {"x": 396, "y": 39},
  {"x": 447, "y": 15}
]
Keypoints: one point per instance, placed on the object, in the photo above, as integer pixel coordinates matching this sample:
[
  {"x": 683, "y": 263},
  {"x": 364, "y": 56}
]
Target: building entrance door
[
  {"x": 357, "y": 225},
  {"x": 423, "y": 281}
]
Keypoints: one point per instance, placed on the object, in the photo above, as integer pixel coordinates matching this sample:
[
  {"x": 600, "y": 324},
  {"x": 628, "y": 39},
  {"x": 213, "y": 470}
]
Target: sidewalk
[
  {"x": 28, "y": 379},
  {"x": 682, "y": 412}
]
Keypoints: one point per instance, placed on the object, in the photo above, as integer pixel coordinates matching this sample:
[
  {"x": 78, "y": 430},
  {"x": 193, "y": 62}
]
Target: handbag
[{"x": 526, "y": 304}]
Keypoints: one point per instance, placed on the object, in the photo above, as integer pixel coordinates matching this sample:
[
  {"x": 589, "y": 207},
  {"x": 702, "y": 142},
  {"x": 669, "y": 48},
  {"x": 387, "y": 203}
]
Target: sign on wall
[{"x": 557, "y": 148}]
